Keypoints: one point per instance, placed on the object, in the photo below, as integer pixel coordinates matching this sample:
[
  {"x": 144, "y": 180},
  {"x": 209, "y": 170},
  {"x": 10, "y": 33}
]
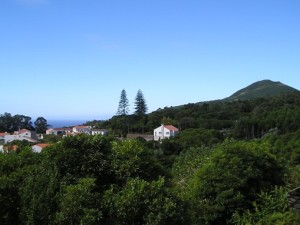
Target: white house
[
  {"x": 58, "y": 131},
  {"x": 164, "y": 131},
  {"x": 39, "y": 147},
  {"x": 82, "y": 129},
  {"x": 99, "y": 132},
  {"x": 21, "y": 135}
]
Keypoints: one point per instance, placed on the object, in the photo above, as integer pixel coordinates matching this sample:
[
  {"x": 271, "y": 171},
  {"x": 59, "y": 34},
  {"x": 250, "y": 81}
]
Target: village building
[
  {"x": 58, "y": 131},
  {"x": 82, "y": 129},
  {"x": 99, "y": 132},
  {"x": 164, "y": 131},
  {"x": 20, "y": 135},
  {"x": 39, "y": 147}
]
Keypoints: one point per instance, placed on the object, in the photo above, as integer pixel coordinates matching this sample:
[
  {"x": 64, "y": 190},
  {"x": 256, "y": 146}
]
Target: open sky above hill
[{"x": 66, "y": 59}]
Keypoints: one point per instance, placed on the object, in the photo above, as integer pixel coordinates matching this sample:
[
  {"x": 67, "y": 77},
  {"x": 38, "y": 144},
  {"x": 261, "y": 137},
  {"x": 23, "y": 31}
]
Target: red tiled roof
[
  {"x": 3, "y": 134},
  {"x": 81, "y": 127},
  {"x": 23, "y": 131},
  {"x": 42, "y": 145},
  {"x": 171, "y": 127},
  {"x": 59, "y": 129}
]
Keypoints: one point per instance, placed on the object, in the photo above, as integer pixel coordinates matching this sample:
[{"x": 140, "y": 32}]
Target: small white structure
[
  {"x": 82, "y": 129},
  {"x": 21, "y": 135},
  {"x": 99, "y": 132},
  {"x": 58, "y": 131},
  {"x": 39, "y": 147},
  {"x": 164, "y": 131}
]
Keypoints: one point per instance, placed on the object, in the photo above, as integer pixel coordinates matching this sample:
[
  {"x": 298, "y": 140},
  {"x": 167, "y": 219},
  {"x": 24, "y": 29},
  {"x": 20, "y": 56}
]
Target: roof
[
  {"x": 81, "y": 127},
  {"x": 42, "y": 145},
  {"x": 3, "y": 134},
  {"x": 171, "y": 127},
  {"x": 64, "y": 129},
  {"x": 23, "y": 131}
]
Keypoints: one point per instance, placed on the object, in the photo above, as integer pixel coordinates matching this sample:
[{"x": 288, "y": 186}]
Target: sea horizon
[{"x": 65, "y": 123}]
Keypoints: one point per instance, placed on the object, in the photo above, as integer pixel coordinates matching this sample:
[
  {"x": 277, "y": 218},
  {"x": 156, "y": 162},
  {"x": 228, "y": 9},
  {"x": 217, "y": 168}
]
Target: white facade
[
  {"x": 21, "y": 135},
  {"x": 39, "y": 147},
  {"x": 164, "y": 131},
  {"x": 82, "y": 129},
  {"x": 99, "y": 132},
  {"x": 58, "y": 131}
]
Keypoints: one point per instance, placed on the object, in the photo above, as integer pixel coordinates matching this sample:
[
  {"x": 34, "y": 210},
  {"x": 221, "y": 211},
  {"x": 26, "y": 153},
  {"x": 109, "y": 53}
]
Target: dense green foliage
[
  {"x": 140, "y": 104},
  {"x": 100, "y": 180},
  {"x": 231, "y": 163},
  {"x": 261, "y": 89},
  {"x": 239, "y": 119},
  {"x": 123, "y": 107},
  {"x": 9, "y": 123},
  {"x": 41, "y": 125}
]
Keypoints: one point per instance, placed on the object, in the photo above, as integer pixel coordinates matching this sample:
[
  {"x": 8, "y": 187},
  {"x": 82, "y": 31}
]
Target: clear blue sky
[{"x": 70, "y": 59}]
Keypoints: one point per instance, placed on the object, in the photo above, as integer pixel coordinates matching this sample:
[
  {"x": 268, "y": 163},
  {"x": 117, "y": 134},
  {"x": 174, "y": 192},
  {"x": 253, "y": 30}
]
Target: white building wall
[
  {"x": 162, "y": 132},
  {"x": 22, "y": 136},
  {"x": 36, "y": 148}
]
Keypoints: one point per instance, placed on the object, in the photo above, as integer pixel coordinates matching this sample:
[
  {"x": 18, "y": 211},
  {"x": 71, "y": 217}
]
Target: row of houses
[
  {"x": 76, "y": 130},
  {"x": 159, "y": 133},
  {"x": 32, "y": 137}
]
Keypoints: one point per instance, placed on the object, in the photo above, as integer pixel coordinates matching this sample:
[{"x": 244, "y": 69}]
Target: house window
[
  {"x": 167, "y": 133},
  {"x": 159, "y": 133}
]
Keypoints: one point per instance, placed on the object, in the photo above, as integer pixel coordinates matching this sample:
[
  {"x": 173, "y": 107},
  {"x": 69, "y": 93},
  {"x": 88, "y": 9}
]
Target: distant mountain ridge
[{"x": 261, "y": 89}]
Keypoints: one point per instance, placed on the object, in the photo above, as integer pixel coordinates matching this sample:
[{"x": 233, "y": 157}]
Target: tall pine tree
[
  {"x": 123, "y": 108},
  {"x": 140, "y": 104}
]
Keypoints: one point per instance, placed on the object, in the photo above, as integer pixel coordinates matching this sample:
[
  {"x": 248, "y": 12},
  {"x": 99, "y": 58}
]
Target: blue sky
[{"x": 70, "y": 59}]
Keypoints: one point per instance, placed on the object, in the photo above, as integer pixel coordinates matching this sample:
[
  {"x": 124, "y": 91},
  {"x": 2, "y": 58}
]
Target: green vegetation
[
  {"x": 123, "y": 104},
  {"x": 232, "y": 163},
  {"x": 100, "y": 180},
  {"x": 261, "y": 89},
  {"x": 242, "y": 119},
  {"x": 140, "y": 104},
  {"x": 9, "y": 123}
]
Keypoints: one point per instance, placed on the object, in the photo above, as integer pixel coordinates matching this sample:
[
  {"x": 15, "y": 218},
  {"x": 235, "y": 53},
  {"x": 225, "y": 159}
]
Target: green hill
[{"x": 261, "y": 89}]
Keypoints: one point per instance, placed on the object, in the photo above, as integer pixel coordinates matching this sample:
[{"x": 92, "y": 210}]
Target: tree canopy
[
  {"x": 123, "y": 108},
  {"x": 140, "y": 104}
]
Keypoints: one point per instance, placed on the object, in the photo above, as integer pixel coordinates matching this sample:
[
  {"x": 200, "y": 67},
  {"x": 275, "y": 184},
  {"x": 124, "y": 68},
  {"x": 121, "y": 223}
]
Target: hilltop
[{"x": 261, "y": 89}]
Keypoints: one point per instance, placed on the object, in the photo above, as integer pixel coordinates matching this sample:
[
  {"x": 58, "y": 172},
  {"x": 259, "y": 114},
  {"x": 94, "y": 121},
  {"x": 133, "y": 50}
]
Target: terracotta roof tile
[
  {"x": 171, "y": 127},
  {"x": 42, "y": 145},
  {"x": 23, "y": 131},
  {"x": 82, "y": 127}
]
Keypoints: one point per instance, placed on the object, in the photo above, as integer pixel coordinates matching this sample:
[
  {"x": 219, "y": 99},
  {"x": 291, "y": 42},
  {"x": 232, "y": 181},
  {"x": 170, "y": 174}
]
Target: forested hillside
[
  {"x": 242, "y": 119},
  {"x": 232, "y": 163},
  {"x": 261, "y": 89}
]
